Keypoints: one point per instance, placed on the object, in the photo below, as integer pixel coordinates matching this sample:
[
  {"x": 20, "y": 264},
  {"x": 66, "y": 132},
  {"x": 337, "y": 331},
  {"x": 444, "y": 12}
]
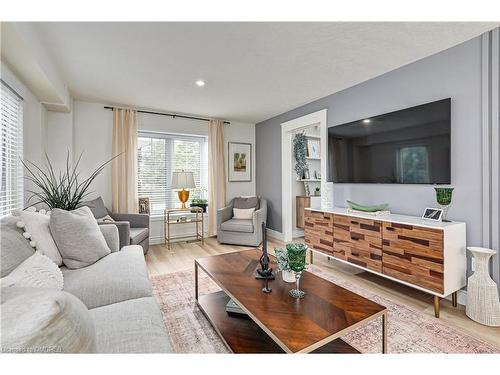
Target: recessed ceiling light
[
  {"x": 367, "y": 121},
  {"x": 200, "y": 83}
]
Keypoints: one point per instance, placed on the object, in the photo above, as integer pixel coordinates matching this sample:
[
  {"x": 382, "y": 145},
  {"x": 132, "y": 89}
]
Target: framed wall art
[{"x": 239, "y": 162}]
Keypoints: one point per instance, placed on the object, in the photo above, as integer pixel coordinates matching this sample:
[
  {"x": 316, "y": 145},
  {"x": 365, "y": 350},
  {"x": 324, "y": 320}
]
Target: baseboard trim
[{"x": 274, "y": 234}]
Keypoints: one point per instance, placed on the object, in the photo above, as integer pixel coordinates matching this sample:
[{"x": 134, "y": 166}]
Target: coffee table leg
[
  {"x": 384, "y": 333},
  {"x": 196, "y": 281}
]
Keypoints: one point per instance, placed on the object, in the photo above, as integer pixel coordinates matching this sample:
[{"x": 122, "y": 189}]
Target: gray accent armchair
[
  {"x": 133, "y": 229},
  {"x": 241, "y": 231}
]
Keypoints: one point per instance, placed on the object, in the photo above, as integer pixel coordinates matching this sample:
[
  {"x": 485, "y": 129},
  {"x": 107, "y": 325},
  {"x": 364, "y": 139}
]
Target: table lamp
[{"x": 183, "y": 180}]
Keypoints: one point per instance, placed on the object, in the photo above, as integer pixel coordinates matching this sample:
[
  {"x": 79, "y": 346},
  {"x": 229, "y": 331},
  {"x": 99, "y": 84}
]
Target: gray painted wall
[
  {"x": 457, "y": 73},
  {"x": 454, "y": 73}
]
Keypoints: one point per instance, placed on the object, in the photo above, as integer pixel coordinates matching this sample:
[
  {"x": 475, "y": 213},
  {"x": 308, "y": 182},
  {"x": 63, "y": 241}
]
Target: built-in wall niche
[{"x": 306, "y": 190}]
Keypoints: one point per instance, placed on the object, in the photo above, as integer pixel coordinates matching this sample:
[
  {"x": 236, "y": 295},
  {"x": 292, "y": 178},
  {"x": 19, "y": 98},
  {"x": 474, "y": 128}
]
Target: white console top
[{"x": 395, "y": 218}]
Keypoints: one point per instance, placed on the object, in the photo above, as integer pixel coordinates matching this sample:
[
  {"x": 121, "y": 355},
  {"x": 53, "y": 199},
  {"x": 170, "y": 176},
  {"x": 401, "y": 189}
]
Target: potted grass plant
[{"x": 64, "y": 189}]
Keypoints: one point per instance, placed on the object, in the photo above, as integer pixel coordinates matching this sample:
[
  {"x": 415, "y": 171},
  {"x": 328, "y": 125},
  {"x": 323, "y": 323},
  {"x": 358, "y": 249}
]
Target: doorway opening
[{"x": 295, "y": 188}]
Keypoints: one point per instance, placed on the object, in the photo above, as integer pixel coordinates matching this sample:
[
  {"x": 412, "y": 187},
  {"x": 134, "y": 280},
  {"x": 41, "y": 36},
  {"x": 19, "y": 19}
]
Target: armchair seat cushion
[
  {"x": 238, "y": 225},
  {"x": 137, "y": 235}
]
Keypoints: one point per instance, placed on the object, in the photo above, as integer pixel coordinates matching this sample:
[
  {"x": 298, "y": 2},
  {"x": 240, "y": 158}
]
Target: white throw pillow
[
  {"x": 78, "y": 237},
  {"x": 36, "y": 228},
  {"x": 36, "y": 320},
  {"x": 38, "y": 271},
  {"x": 243, "y": 213}
]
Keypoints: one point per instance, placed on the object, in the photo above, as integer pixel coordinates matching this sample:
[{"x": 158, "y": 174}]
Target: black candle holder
[{"x": 265, "y": 272}]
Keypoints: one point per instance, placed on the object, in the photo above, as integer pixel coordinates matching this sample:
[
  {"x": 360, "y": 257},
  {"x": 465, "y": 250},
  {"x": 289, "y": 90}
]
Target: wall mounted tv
[{"x": 410, "y": 146}]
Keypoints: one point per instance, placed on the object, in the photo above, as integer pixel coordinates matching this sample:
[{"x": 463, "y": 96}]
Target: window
[
  {"x": 414, "y": 165},
  {"x": 161, "y": 154},
  {"x": 11, "y": 189}
]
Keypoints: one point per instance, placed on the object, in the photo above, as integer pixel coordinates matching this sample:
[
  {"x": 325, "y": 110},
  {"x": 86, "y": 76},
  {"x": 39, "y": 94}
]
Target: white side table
[{"x": 483, "y": 304}]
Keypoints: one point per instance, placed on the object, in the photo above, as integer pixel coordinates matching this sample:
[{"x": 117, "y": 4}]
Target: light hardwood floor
[{"x": 160, "y": 261}]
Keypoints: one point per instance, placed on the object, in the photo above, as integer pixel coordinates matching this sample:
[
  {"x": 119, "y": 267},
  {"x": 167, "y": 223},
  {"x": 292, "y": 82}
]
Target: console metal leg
[
  {"x": 454, "y": 299},
  {"x": 310, "y": 256},
  {"x": 196, "y": 281},
  {"x": 436, "y": 306},
  {"x": 384, "y": 333}
]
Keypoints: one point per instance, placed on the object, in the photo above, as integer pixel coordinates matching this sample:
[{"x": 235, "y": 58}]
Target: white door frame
[{"x": 287, "y": 177}]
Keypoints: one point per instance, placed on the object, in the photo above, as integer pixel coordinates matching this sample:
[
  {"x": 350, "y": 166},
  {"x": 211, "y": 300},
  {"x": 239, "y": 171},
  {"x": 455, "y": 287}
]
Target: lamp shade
[{"x": 183, "y": 180}]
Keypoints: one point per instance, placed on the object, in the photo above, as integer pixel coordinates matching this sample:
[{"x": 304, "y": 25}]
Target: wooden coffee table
[{"x": 278, "y": 323}]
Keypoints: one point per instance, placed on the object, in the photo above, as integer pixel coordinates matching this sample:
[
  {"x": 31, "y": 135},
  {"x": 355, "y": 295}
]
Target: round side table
[{"x": 483, "y": 305}]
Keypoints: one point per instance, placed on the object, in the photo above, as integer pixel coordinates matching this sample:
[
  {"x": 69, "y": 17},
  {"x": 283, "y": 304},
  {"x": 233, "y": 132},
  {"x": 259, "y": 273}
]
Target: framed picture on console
[
  {"x": 239, "y": 158},
  {"x": 434, "y": 214}
]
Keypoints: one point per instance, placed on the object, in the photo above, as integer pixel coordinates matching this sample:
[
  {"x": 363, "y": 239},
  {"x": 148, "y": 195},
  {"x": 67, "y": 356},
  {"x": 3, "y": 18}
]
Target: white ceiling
[{"x": 253, "y": 71}]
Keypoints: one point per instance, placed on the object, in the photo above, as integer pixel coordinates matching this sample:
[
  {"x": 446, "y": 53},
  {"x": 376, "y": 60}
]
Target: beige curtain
[
  {"x": 216, "y": 173},
  {"x": 124, "y": 167}
]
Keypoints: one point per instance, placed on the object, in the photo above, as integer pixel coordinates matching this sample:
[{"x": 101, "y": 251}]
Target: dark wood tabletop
[{"x": 326, "y": 313}]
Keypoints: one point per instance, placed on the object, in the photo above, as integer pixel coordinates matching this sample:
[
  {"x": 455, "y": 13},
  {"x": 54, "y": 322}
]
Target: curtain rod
[{"x": 173, "y": 115}]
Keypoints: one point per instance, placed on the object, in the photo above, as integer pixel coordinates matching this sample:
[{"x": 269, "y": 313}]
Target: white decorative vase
[
  {"x": 483, "y": 305},
  {"x": 288, "y": 276}
]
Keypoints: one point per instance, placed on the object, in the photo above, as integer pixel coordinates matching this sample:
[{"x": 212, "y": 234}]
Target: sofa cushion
[
  {"x": 97, "y": 207},
  {"x": 246, "y": 202},
  {"x": 134, "y": 326},
  {"x": 116, "y": 277},
  {"x": 238, "y": 225},
  {"x": 78, "y": 237},
  {"x": 15, "y": 249},
  {"x": 137, "y": 235},
  {"x": 38, "y": 320}
]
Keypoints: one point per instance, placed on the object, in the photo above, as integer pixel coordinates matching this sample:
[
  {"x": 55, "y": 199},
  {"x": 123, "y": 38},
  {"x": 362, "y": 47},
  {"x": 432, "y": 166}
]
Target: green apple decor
[{"x": 443, "y": 198}]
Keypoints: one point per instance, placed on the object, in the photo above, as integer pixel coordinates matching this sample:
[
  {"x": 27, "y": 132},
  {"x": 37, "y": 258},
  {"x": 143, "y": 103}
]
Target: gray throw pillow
[
  {"x": 15, "y": 248},
  {"x": 38, "y": 320},
  {"x": 97, "y": 207},
  {"x": 246, "y": 203},
  {"x": 78, "y": 237}
]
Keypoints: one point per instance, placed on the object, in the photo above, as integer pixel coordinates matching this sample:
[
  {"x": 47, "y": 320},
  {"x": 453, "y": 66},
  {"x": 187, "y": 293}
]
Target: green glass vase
[
  {"x": 297, "y": 263},
  {"x": 443, "y": 198}
]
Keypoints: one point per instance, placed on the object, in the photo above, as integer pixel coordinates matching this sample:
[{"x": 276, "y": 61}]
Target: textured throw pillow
[
  {"x": 36, "y": 227},
  {"x": 97, "y": 207},
  {"x": 242, "y": 213},
  {"x": 78, "y": 237},
  {"x": 37, "y": 320},
  {"x": 246, "y": 202},
  {"x": 37, "y": 271}
]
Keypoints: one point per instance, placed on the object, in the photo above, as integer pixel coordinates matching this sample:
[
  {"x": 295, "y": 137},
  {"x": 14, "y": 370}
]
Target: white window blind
[
  {"x": 11, "y": 189},
  {"x": 159, "y": 155}
]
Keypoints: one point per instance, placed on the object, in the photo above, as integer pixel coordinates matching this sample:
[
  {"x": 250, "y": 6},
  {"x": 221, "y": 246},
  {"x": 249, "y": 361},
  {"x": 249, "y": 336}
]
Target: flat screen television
[{"x": 409, "y": 146}]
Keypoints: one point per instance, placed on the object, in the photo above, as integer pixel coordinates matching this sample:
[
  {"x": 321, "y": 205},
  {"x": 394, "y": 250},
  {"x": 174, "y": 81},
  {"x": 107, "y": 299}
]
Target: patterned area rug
[{"x": 409, "y": 331}]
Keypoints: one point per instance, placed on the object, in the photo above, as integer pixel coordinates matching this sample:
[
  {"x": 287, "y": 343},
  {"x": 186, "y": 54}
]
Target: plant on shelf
[
  {"x": 300, "y": 153},
  {"x": 200, "y": 202},
  {"x": 62, "y": 190}
]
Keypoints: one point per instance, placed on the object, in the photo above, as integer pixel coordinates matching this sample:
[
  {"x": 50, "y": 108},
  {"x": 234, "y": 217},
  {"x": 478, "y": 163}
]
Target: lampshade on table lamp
[{"x": 183, "y": 180}]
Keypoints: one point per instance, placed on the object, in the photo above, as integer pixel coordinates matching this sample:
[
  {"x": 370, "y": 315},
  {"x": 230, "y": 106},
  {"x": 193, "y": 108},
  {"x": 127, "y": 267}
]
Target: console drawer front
[
  {"x": 366, "y": 251},
  {"x": 318, "y": 230},
  {"x": 414, "y": 254},
  {"x": 366, "y": 227},
  {"x": 341, "y": 236}
]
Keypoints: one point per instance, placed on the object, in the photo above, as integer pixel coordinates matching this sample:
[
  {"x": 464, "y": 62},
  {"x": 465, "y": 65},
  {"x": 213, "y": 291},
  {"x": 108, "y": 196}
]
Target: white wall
[
  {"x": 88, "y": 129},
  {"x": 34, "y": 122}
]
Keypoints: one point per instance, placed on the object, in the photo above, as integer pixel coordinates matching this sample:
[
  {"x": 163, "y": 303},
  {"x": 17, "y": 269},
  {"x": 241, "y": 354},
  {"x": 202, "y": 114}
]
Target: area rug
[{"x": 409, "y": 331}]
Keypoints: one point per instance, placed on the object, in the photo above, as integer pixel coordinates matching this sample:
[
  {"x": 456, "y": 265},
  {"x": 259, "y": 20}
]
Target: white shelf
[
  {"x": 313, "y": 136},
  {"x": 310, "y": 180},
  {"x": 311, "y": 158}
]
